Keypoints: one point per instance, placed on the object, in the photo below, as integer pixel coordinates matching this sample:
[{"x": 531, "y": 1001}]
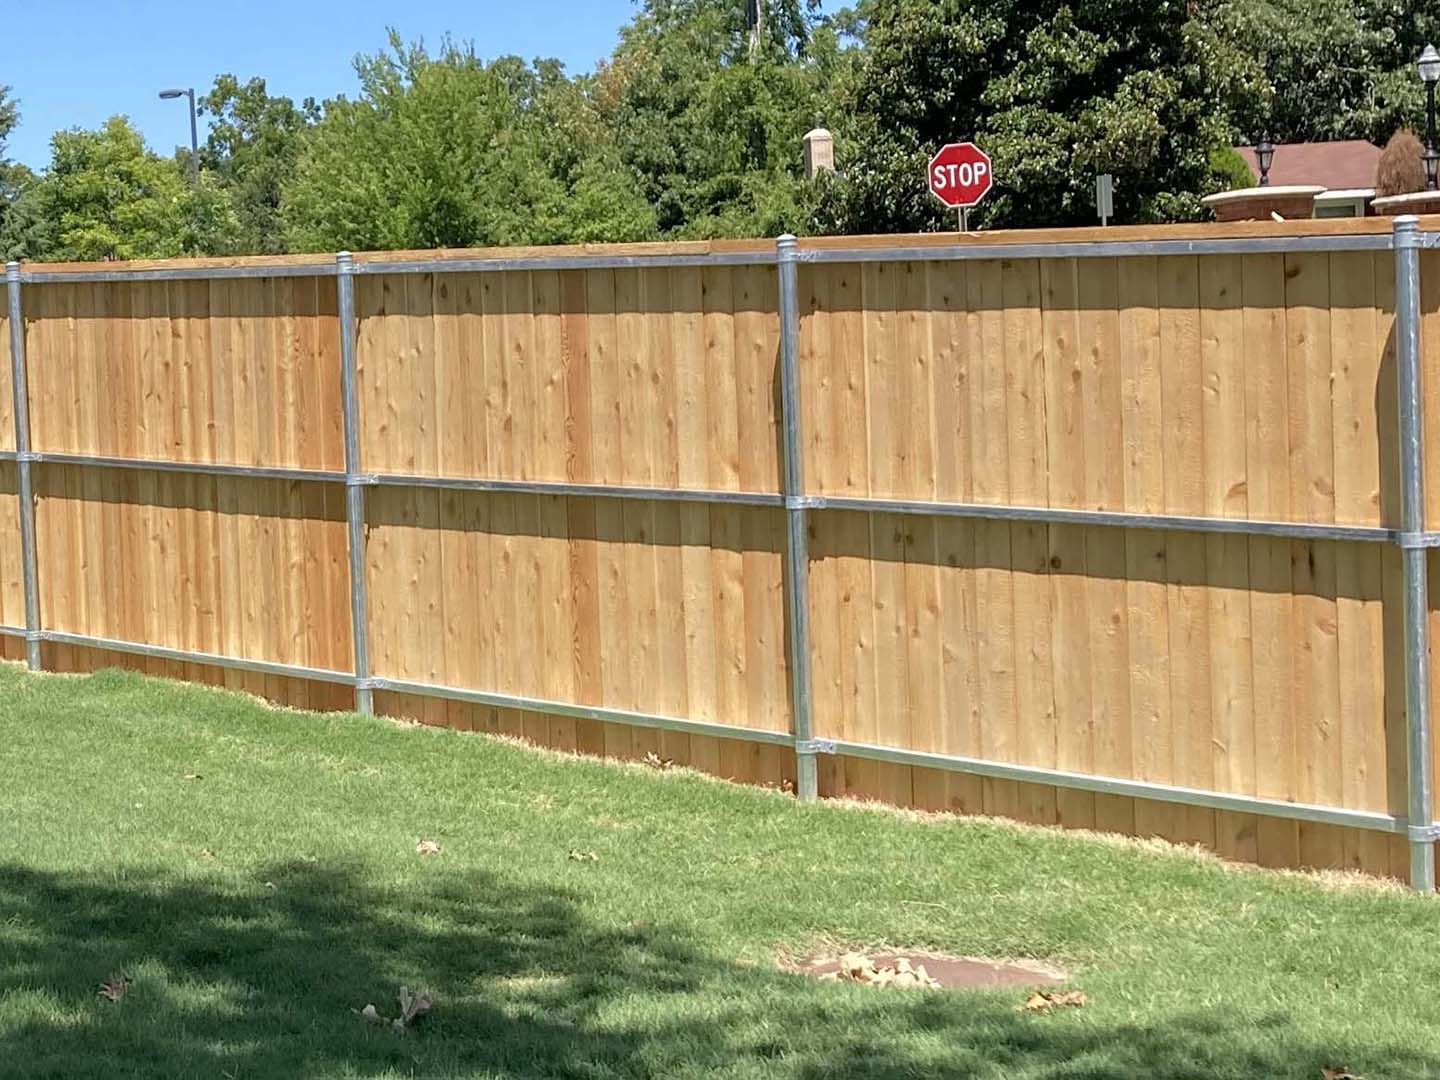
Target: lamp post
[
  {"x": 1429, "y": 66},
  {"x": 167, "y": 95},
  {"x": 1264, "y": 155}
]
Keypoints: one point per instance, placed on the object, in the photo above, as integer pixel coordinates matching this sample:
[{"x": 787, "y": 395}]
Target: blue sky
[{"x": 73, "y": 64}]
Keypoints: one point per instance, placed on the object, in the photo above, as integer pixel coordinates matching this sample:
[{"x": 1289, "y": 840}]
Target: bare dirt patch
[{"x": 940, "y": 971}]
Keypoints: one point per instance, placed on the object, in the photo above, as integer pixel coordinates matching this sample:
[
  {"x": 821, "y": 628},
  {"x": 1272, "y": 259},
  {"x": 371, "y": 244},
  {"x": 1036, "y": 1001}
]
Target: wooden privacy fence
[{"x": 1116, "y": 528}]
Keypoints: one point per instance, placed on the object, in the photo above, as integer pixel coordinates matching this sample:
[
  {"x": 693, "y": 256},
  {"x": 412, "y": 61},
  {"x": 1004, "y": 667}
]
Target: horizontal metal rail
[
  {"x": 38, "y": 274},
  {"x": 601, "y": 491},
  {"x": 1296, "y": 530},
  {"x": 578, "y": 261},
  {"x": 1100, "y": 249},
  {"x": 1137, "y": 789},
  {"x": 190, "y": 656},
  {"x": 1140, "y": 789},
  {"x": 200, "y": 468},
  {"x": 582, "y": 712},
  {"x": 35, "y": 274}
]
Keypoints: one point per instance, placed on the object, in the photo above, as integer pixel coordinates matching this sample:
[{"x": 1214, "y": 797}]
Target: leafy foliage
[
  {"x": 252, "y": 149},
  {"x": 106, "y": 195},
  {"x": 17, "y": 220},
  {"x": 1230, "y": 169},
  {"x": 711, "y": 123},
  {"x": 1056, "y": 92},
  {"x": 451, "y": 151},
  {"x": 1330, "y": 69},
  {"x": 693, "y": 127}
]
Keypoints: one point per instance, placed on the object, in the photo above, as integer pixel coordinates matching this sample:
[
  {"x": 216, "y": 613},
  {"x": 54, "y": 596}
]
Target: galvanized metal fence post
[
  {"x": 1414, "y": 554},
  {"x": 797, "y": 545},
  {"x": 354, "y": 482},
  {"x": 20, "y": 406}
]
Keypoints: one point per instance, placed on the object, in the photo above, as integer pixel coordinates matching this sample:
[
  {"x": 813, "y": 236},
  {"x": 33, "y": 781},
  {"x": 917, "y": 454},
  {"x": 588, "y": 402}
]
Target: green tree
[
  {"x": 711, "y": 122},
  {"x": 1055, "y": 91},
  {"x": 252, "y": 148},
  {"x": 18, "y": 223},
  {"x": 106, "y": 195},
  {"x": 451, "y": 151},
  {"x": 1330, "y": 69}
]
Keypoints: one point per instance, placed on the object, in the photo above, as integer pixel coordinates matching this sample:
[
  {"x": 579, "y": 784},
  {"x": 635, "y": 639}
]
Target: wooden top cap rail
[{"x": 720, "y": 251}]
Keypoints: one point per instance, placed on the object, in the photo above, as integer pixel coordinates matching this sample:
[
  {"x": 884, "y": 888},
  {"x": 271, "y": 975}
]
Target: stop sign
[{"x": 960, "y": 174}]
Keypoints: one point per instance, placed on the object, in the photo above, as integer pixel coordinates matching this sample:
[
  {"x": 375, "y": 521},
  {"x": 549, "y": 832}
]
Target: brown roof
[{"x": 1349, "y": 163}]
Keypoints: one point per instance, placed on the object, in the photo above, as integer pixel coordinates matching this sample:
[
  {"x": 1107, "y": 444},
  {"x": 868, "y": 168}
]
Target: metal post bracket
[{"x": 1422, "y": 834}]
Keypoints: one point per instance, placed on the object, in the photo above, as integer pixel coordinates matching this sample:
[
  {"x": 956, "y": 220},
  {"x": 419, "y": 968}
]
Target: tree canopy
[
  {"x": 16, "y": 220},
  {"x": 692, "y": 127},
  {"x": 452, "y": 151},
  {"x": 1055, "y": 92},
  {"x": 252, "y": 149}
]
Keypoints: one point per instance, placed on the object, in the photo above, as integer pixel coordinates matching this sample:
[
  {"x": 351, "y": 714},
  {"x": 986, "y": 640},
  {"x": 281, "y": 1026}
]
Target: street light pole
[
  {"x": 166, "y": 95},
  {"x": 1429, "y": 67}
]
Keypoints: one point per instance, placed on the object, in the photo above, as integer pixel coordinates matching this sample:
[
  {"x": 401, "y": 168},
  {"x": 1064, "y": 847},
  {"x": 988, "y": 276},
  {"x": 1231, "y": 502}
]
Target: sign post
[
  {"x": 960, "y": 175},
  {"x": 1105, "y": 197}
]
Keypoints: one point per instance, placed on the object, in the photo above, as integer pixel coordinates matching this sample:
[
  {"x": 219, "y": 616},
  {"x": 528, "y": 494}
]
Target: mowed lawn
[{"x": 254, "y": 872}]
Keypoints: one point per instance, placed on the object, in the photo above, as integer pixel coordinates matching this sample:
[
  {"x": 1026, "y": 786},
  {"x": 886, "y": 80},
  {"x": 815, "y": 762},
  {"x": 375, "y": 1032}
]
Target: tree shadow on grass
[{"x": 260, "y": 979}]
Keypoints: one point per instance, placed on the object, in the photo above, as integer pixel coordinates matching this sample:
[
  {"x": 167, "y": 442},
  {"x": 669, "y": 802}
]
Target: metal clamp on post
[
  {"x": 1422, "y": 834},
  {"x": 20, "y": 397},
  {"x": 804, "y": 502},
  {"x": 1416, "y": 635},
  {"x": 355, "y": 482},
  {"x": 797, "y": 541},
  {"x": 815, "y": 746}
]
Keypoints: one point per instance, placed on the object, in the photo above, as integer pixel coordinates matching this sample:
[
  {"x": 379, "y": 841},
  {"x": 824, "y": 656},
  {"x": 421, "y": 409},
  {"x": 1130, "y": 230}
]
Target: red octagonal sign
[{"x": 960, "y": 174}]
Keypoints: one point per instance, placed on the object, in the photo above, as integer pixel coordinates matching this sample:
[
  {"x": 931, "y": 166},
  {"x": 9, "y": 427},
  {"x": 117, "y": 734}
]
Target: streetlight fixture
[
  {"x": 1264, "y": 155},
  {"x": 1429, "y": 66},
  {"x": 167, "y": 95}
]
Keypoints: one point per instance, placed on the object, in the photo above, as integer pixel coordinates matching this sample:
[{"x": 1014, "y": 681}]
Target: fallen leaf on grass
[
  {"x": 584, "y": 856},
  {"x": 113, "y": 988},
  {"x": 1341, "y": 1073},
  {"x": 427, "y": 847},
  {"x": 859, "y": 968},
  {"x": 655, "y": 761},
  {"x": 1045, "y": 1001}
]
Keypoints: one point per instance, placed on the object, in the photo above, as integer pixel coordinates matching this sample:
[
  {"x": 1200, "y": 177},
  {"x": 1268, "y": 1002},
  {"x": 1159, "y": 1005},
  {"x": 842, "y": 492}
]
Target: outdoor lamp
[
  {"x": 1429, "y": 66},
  {"x": 168, "y": 95},
  {"x": 1264, "y": 154}
]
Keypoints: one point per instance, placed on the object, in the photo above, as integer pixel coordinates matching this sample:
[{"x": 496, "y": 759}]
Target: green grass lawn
[{"x": 255, "y": 906}]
